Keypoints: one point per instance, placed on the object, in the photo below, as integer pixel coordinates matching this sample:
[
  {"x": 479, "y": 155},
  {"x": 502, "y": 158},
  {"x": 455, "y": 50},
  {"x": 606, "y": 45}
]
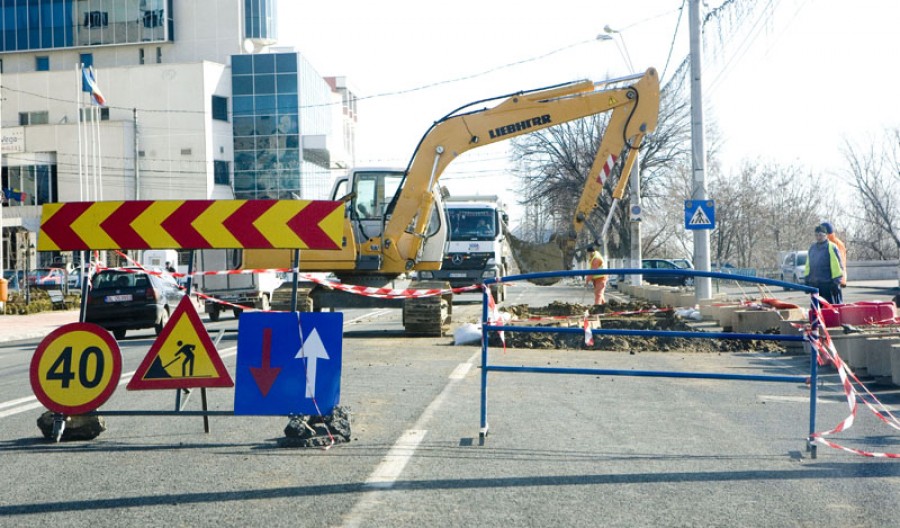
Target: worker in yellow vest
[
  {"x": 829, "y": 230},
  {"x": 823, "y": 267}
]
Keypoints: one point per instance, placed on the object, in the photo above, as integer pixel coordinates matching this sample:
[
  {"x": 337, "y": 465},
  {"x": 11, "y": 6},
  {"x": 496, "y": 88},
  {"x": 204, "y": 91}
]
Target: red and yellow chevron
[{"x": 192, "y": 224}]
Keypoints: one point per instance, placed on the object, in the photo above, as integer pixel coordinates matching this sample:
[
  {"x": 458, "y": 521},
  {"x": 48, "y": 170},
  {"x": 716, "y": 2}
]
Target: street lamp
[{"x": 623, "y": 49}]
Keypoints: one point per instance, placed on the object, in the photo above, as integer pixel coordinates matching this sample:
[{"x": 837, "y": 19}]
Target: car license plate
[
  {"x": 117, "y": 298},
  {"x": 457, "y": 275}
]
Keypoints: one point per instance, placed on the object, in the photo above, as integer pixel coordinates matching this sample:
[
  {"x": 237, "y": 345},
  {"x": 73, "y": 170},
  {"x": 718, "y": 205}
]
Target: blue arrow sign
[
  {"x": 278, "y": 373},
  {"x": 699, "y": 214}
]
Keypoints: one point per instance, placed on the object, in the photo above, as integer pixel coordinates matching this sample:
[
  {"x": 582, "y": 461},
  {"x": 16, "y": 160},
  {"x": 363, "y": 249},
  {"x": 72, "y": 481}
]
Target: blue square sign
[
  {"x": 288, "y": 363},
  {"x": 699, "y": 214}
]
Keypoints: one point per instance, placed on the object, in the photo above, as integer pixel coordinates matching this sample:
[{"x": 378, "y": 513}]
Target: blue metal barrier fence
[{"x": 487, "y": 327}]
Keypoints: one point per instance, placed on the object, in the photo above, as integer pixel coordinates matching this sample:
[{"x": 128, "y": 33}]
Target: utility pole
[
  {"x": 702, "y": 285},
  {"x": 636, "y": 257}
]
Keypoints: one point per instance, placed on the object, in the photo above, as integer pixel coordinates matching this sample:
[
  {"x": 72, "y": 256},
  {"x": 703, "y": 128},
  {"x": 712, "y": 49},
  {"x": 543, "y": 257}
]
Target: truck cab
[{"x": 475, "y": 249}]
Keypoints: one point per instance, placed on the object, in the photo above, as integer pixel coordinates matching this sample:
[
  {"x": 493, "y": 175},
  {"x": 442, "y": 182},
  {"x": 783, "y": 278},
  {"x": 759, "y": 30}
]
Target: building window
[
  {"x": 34, "y": 118},
  {"x": 94, "y": 19},
  {"x": 42, "y": 63},
  {"x": 220, "y": 108},
  {"x": 87, "y": 59},
  {"x": 87, "y": 114},
  {"x": 158, "y": 55},
  {"x": 220, "y": 173},
  {"x": 141, "y": 56}
]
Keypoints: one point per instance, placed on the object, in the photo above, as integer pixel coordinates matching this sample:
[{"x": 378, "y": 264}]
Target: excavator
[{"x": 395, "y": 222}]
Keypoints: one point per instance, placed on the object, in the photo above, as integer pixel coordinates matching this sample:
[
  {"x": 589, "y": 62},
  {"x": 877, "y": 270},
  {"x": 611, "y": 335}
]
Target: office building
[{"x": 200, "y": 104}]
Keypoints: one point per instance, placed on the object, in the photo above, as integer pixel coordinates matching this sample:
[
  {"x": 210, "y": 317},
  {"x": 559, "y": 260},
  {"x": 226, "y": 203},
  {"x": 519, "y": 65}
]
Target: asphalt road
[{"x": 561, "y": 450}]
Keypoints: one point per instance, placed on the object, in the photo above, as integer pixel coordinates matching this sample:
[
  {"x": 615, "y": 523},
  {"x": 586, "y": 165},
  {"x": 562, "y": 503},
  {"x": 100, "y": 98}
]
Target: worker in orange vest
[{"x": 599, "y": 281}]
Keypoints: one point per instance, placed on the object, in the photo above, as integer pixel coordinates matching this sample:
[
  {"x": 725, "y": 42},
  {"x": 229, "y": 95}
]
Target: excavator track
[
  {"x": 428, "y": 316},
  {"x": 281, "y": 299}
]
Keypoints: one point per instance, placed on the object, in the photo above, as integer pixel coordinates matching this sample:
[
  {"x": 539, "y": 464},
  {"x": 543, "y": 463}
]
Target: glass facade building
[
  {"x": 268, "y": 125},
  {"x": 51, "y": 24}
]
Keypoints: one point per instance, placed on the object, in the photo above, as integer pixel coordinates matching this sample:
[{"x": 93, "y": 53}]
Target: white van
[{"x": 793, "y": 265}]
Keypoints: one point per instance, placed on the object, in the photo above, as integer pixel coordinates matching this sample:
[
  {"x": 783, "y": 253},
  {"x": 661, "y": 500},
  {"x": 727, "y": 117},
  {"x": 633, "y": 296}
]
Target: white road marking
[
  {"x": 376, "y": 313},
  {"x": 790, "y": 399},
  {"x": 391, "y": 466},
  {"x": 460, "y": 371}
]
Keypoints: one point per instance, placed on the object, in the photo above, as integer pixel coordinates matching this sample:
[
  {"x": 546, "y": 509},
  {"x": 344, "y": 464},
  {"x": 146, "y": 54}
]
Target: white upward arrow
[{"x": 312, "y": 349}]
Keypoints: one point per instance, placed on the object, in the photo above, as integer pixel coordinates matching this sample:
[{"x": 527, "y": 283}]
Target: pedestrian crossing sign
[
  {"x": 182, "y": 357},
  {"x": 699, "y": 214}
]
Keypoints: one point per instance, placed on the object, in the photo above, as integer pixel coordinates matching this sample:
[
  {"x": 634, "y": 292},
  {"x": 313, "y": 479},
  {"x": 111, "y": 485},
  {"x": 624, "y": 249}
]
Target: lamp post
[
  {"x": 635, "y": 194},
  {"x": 620, "y": 44}
]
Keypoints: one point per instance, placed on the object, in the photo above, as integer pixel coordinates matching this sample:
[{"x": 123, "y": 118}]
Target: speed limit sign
[{"x": 76, "y": 368}]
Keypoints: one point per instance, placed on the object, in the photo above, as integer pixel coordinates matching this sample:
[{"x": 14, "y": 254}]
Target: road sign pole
[
  {"x": 295, "y": 276},
  {"x": 702, "y": 285}
]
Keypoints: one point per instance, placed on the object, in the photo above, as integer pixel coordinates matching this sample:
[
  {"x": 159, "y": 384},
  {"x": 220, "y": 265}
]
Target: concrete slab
[{"x": 878, "y": 354}]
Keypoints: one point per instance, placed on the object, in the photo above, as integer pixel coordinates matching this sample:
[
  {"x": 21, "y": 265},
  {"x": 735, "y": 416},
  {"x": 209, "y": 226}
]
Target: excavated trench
[{"x": 616, "y": 315}]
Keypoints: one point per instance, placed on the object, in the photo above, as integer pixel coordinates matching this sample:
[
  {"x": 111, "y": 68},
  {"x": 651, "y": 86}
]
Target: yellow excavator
[{"x": 396, "y": 223}]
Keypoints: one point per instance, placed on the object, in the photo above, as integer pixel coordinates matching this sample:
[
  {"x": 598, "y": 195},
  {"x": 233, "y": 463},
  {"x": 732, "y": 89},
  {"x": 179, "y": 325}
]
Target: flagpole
[{"x": 78, "y": 86}]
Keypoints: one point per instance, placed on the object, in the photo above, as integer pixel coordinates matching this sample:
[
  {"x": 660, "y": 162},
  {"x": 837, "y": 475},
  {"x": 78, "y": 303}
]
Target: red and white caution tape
[{"x": 817, "y": 335}]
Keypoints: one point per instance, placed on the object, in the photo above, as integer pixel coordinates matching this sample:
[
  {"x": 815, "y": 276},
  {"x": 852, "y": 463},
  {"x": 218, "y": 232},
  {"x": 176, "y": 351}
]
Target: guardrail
[{"x": 488, "y": 325}]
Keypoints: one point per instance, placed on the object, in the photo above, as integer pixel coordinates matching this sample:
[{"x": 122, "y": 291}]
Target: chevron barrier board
[{"x": 192, "y": 224}]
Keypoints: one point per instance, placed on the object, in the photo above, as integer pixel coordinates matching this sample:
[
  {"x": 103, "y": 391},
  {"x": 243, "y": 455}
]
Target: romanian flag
[
  {"x": 15, "y": 194},
  {"x": 90, "y": 85}
]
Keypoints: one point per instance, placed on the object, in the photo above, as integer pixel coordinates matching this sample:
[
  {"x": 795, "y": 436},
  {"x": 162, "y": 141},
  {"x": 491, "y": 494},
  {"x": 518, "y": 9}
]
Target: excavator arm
[{"x": 633, "y": 101}]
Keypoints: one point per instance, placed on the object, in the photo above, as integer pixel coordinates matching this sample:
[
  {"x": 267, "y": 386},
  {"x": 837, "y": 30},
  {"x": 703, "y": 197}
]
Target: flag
[
  {"x": 15, "y": 194},
  {"x": 90, "y": 85}
]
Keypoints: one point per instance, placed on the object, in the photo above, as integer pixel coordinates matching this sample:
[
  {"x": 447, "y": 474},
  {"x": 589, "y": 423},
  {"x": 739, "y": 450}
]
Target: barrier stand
[{"x": 488, "y": 318}]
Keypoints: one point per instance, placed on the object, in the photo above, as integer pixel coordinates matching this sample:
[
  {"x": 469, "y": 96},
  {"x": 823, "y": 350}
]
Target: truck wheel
[
  {"x": 119, "y": 334},
  {"x": 214, "y": 313},
  {"x": 236, "y": 312}
]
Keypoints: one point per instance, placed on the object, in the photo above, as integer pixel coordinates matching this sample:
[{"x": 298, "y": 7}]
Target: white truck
[
  {"x": 253, "y": 290},
  {"x": 475, "y": 249}
]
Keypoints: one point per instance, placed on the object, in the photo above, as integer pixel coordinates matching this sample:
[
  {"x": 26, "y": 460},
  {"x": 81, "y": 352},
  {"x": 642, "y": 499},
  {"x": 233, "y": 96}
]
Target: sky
[{"x": 789, "y": 83}]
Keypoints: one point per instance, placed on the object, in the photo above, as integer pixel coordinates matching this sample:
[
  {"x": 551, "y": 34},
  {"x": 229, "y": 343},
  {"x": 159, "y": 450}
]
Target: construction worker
[
  {"x": 829, "y": 229},
  {"x": 823, "y": 267},
  {"x": 599, "y": 281}
]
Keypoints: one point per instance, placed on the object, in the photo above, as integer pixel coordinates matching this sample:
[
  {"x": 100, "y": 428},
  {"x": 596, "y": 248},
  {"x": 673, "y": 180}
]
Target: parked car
[
  {"x": 683, "y": 263},
  {"x": 131, "y": 299},
  {"x": 665, "y": 280},
  {"x": 793, "y": 265},
  {"x": 74, "y": 277},
  {"x": 47, "y": 278}
]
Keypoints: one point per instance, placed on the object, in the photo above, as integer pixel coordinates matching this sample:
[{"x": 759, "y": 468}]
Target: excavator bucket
[{"x": 535, "y": 258}]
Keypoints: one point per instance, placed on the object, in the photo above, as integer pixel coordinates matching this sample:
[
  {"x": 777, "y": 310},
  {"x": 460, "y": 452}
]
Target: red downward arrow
[
  {"x": 178, "y": 224},
  {"x": 59, "y": 227},
  {"x": 118, "y": 224},
  {"x": 265, "y": 375},
  {"x": 240, "y": 223},
  {"x": 306, "y": 224}
]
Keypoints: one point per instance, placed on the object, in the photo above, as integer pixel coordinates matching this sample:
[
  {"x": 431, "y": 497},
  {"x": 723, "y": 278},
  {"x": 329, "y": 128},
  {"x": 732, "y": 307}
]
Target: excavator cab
[{"x": 371, "y": 193}]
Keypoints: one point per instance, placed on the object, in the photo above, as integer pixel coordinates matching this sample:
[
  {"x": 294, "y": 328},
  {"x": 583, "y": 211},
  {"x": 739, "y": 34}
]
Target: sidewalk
[{"x": 18, "y": 327}]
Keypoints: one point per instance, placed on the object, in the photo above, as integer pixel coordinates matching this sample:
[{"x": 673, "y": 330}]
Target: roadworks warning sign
[{"x": 182, "y": 357}]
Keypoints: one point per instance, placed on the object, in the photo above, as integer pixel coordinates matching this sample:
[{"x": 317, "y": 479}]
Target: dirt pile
[
  {"x": 535, "y": 258},
  {"x": 626, "y": 316}
]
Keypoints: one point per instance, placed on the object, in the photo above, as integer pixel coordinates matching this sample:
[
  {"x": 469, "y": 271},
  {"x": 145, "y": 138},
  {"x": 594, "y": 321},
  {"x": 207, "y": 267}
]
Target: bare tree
[{"x": 874, "y": 175}]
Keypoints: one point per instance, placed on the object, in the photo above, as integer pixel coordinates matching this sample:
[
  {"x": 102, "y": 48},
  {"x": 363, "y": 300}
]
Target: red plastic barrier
[{"x": 831, "y": 316}]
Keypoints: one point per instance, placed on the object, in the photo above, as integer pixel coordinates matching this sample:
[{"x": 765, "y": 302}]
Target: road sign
[
  {"x": 192, "y": 224},
  {"x": 76, "y": 368},
  {"x": 182, "y": 357},
  {"x": 280, "y": 374},
  {"x": 699, "y": 214}
]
